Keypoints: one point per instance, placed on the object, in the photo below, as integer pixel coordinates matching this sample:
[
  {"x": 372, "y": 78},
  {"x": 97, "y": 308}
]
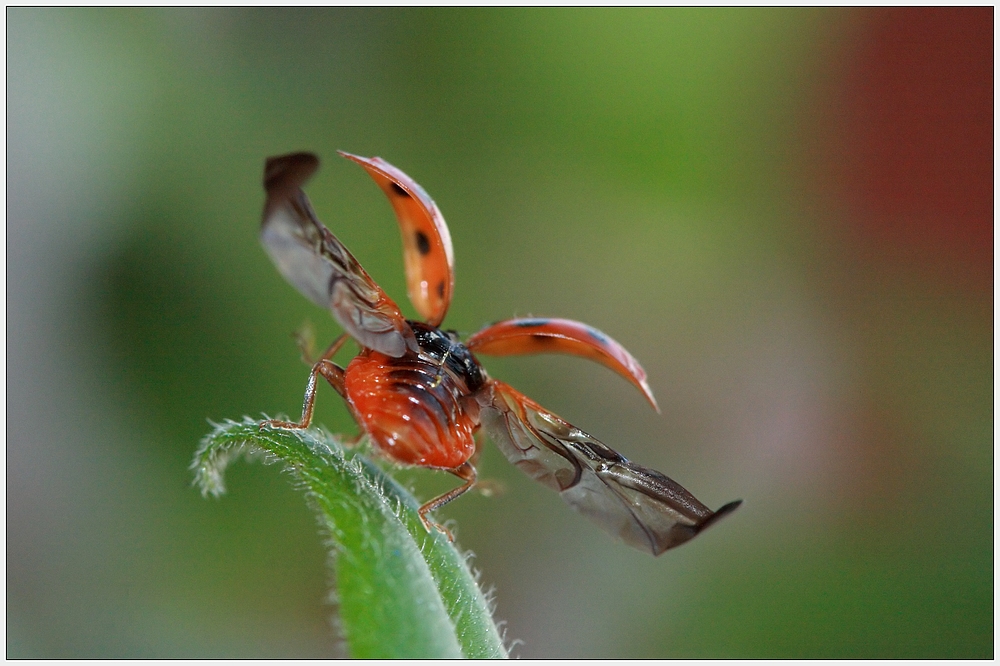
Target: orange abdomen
[{"x": 412, "y": 409}]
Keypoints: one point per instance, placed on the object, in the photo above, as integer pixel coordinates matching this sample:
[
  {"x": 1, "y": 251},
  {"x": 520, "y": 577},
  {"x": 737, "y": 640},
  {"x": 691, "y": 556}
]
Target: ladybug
[{"x": 420, "y": 394}]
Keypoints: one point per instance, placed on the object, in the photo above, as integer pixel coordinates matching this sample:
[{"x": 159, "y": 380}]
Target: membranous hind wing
[
  {"x": 312, "y": 259},
  {"x": 427, "y": 251},
  {"x": 641, "y": 506}
]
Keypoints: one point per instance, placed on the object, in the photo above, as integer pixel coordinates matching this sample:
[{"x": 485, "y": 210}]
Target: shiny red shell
[{"x": 416, "y": 411}]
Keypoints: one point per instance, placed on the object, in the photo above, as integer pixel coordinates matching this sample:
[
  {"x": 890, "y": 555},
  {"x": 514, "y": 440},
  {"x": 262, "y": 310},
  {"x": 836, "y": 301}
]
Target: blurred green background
[{"x": 786, "y": 215}]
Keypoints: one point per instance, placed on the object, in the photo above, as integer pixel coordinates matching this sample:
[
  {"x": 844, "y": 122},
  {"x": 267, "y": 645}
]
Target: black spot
[
  {"x": 441, "y": 288},
  {"x": 531, "y": 323},
  {"x": 399, "y": 191},
  {"x": 423, "y": 243},
  {"x": 597, "y": 335},
  {"x": 541, "y": 337}
]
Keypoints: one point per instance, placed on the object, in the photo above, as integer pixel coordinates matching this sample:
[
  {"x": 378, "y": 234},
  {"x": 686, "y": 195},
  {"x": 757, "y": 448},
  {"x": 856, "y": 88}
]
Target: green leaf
[{"x": 403, "y": 592}]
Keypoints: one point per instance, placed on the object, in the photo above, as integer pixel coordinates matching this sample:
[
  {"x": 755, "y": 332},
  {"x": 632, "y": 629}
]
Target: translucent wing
[
  {"x": 642, "y": 507},
  {"x": 560, "y": 336},
  {"x": 312, "y": 259},
  {"x": 427, "y": 249}
]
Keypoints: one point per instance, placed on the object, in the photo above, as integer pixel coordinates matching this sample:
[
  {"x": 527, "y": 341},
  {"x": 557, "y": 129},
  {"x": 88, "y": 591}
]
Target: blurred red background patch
[{"x": 917, "y": 173}]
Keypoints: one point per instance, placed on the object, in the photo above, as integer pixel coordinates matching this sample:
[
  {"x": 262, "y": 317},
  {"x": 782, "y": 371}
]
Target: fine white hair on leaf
[{"x": 380, "y": 526}]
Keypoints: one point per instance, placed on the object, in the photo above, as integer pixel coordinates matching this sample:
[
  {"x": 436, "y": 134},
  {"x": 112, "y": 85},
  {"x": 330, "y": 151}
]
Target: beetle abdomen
[{"x": 411, "y": 408}]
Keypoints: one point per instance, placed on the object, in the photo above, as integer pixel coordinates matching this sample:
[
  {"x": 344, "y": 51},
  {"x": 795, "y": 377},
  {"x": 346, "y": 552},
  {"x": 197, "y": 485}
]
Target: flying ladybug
[{"x": 420, "y": 394}]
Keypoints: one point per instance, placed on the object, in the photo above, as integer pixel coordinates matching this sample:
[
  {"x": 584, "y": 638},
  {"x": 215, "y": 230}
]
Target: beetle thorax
[{"x": 445, "y": 350}]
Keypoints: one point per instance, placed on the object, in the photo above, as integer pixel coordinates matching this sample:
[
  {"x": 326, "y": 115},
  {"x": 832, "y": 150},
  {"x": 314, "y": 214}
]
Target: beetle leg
[
  {"x": 332, "y": 373},
  {"x": 464, "y": 471},
  {"x": 439, "y": 377},
  {"x": 333, "y": 349},
  {"x": 485, "y": 487},
  {"x": 305, "y": 341},
  {"x": 351, "y": 442}
]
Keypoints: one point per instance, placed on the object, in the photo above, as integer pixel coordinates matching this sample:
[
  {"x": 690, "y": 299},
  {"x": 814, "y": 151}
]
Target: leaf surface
[{"x": 402, "y": 592}]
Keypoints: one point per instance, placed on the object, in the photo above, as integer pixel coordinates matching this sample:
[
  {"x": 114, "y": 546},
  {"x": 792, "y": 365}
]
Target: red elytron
[{"x": 421, "y": 395}]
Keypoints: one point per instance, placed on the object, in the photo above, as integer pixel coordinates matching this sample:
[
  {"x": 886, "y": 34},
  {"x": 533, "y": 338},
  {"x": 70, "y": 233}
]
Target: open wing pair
[
  {"x": 639, "y": 505},
  {"x": 318, "y": 264}
]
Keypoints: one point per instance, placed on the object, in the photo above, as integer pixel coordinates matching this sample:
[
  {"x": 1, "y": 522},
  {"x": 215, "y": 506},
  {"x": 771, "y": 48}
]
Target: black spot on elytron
[
  {"x": 423, "y": 243},
  {"x": 597, "y": 335},
  {"x": 542, "y": 338},
  {"x": 399, "y": 191},
  {"x": 441, "y": 288},
  {"x": 531, "y": 323}
]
